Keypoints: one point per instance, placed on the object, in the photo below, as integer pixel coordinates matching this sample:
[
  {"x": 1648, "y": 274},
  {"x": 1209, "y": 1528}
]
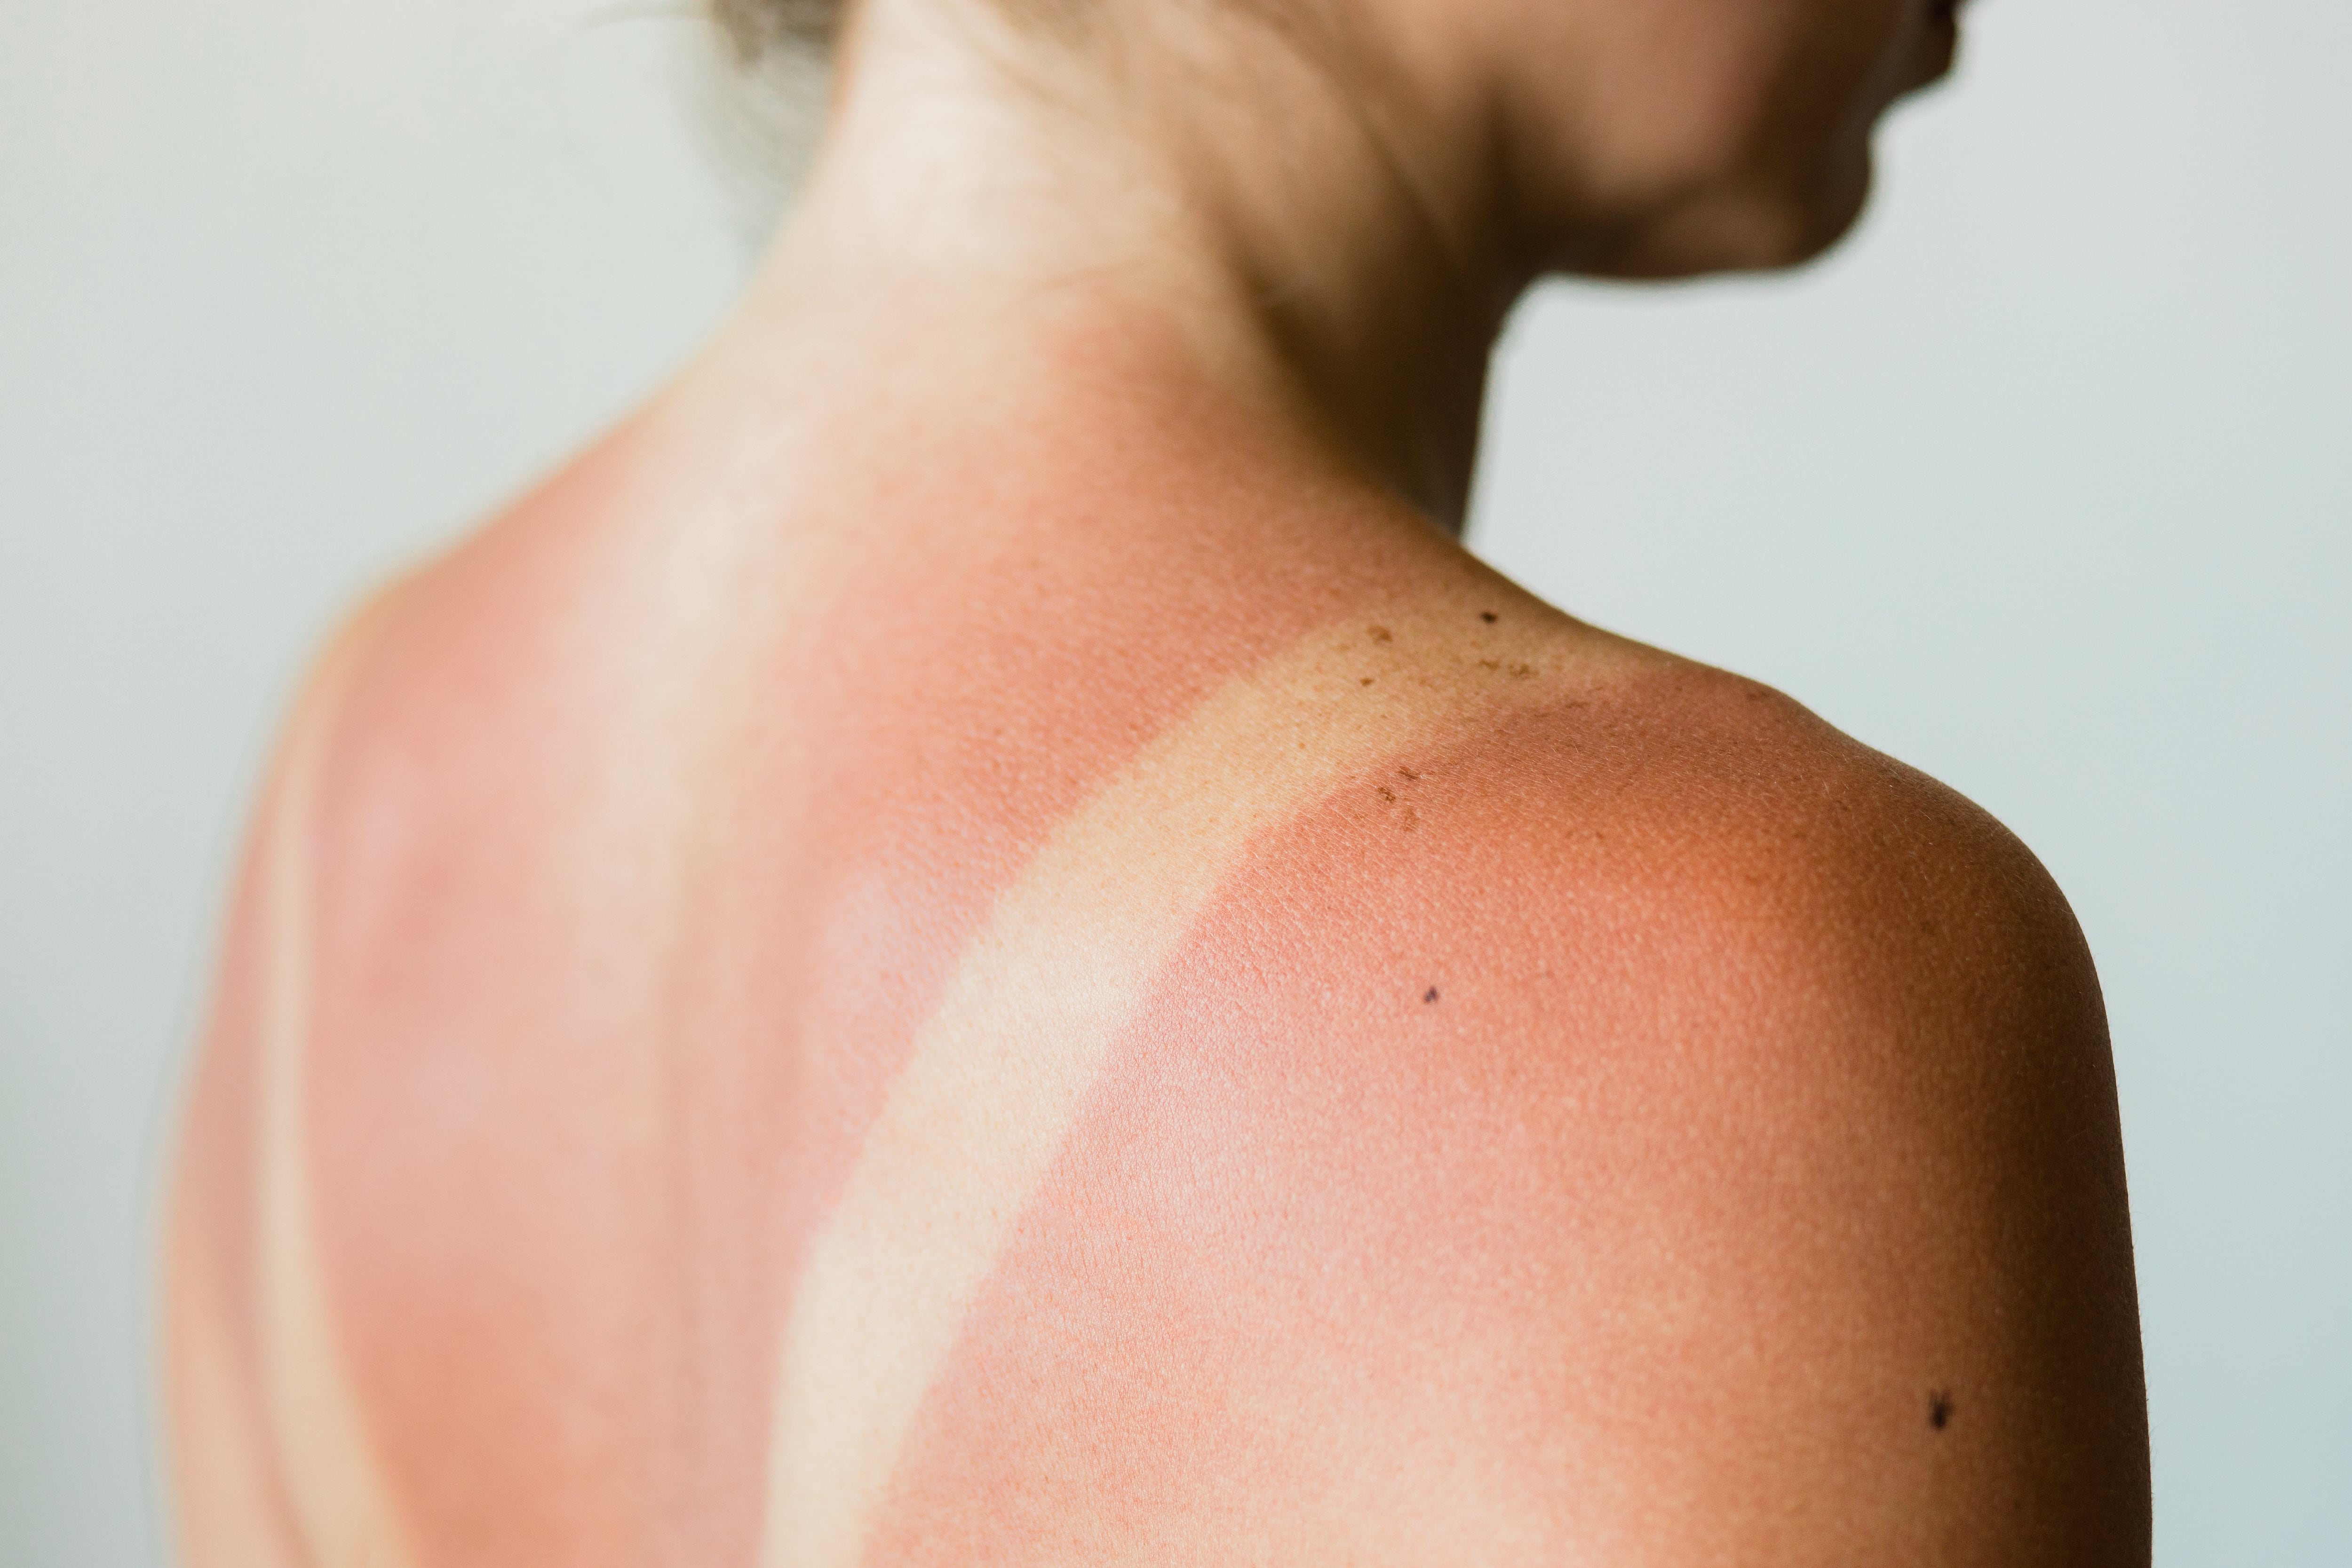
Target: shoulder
[
  {"x": 1760, "y": 827},
  {"x": 1694, "y": 891},
  {"x": 1716, "y": 823},
  {"x": 1701, "y": 1101},
  {"x": 1684, "y": 895},
  {"x": 1594, "y": 858},
  {"x": 1713, "y": 838}
]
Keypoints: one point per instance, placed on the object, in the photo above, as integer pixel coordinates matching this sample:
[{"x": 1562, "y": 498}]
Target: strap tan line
[
  {"x": 997, "y": 1075},
  {"x": 332, "y": 1479}
]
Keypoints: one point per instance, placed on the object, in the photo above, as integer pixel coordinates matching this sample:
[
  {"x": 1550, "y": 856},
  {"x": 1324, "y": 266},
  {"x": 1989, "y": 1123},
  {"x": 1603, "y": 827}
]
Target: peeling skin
[{"x": 1301, "y": 1121}]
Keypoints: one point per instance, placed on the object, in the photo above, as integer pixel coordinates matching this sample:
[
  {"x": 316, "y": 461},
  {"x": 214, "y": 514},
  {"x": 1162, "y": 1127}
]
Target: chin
[
  {"x": 1752, "y": 229},
  {"x": 1810, "y": 229}
]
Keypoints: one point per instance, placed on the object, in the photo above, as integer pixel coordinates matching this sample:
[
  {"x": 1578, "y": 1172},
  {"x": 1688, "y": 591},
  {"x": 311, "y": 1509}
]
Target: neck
[{"x": 975, "y": 183}]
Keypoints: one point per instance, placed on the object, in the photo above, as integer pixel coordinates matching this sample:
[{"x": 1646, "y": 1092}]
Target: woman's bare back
[
  {"x": 977, "y": 941},
  {"x": 974, "y": 1019}
]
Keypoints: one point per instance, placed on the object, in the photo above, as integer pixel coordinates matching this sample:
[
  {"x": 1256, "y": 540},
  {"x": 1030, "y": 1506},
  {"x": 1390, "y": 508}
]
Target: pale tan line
[
  {"x": 997, "y": 1075},
  {"x": 332, "y": 1479}
]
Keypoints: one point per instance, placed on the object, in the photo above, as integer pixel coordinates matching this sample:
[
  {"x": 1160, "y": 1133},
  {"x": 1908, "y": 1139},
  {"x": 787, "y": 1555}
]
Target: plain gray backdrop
[{"x": 2041, "y": 485}]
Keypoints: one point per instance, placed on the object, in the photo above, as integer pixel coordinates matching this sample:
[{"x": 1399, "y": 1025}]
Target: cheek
[{"x": 1703, "y": 99}]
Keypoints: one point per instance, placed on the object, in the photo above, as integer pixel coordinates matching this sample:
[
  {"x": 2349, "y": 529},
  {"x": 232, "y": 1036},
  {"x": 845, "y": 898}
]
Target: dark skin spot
[
  {"x": 1940, "y": 1409},
  {"x": 1368, "y": 680},
  {"x": 1387, "y": 794},
  {"x": 1382, "y": 634},
  {"x": 1430, "y": 995},
  {"x": 1488, "y": 616},
  {"x": 1408, "y": 775},
  {"x": 1490, "y": 663},
  {"x": 1521, "y": 672}
]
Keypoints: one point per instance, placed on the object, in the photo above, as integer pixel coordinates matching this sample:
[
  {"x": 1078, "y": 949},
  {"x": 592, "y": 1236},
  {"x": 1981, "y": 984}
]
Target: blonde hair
[
  {"x": 759, "y": 102},
  {"x": 757, "y": 28}
]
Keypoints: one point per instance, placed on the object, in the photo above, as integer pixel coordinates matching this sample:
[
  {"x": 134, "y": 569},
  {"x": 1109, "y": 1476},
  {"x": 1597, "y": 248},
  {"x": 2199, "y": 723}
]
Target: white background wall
[{"x": 2043, "y": 485}]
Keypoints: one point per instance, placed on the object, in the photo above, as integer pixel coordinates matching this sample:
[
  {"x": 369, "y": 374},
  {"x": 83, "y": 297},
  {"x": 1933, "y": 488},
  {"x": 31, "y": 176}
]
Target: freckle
[
  {"x": 1411, "y": 820},
  {"x": 1521, "y": 672},
  {"x": 1382, "y": 634},
  {"x": 1409, "y": 774},
  {"x": 1940, "y": 1409},
  {"x": 1368, "y": 680},
  {"x": 1431, "y": 996},
  {"x": 1488, "y": 616},
  {"x": 1490, "y": 663},
  {"x": 1387, "y": 794}
]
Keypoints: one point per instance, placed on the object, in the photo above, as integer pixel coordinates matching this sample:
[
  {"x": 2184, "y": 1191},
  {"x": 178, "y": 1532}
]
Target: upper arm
[{"x": 1884, "y": 1173}]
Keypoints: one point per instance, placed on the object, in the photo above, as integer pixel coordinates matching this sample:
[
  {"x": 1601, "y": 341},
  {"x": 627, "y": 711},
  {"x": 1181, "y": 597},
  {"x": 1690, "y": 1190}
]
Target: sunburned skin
[
  {"x": 1036, "y": 1012},
  {"x": 1426, "y": 1216},
  {"x": 976, "y": 942},
  {"x": 989, "y": 1094}
]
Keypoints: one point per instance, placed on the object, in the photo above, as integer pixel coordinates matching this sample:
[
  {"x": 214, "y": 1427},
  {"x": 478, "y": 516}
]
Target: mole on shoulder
[
  {"x": 1940, "y": 1409},
  {"x": 1430, "y": 995},
  {"x": 1488, "y": 616},
  {"x": 1382, "y": 634}
]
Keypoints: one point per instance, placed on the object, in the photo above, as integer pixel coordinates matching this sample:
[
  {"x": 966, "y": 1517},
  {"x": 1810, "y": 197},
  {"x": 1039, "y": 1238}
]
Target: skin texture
[{"x": 977, "y": 941}]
